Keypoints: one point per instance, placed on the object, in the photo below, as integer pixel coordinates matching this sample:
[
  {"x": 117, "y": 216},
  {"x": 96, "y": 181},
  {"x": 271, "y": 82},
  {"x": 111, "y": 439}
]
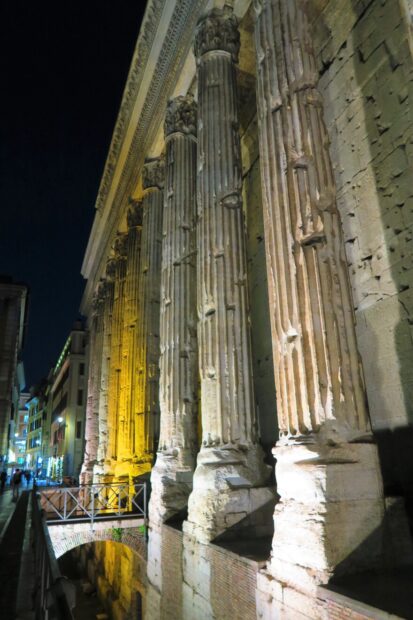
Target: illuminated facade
[
  {"x": 18, "y": 434},
  {"x": 244, "y": 257},
  {"x": 13, "y": 316},
  {"x": 66, "y": 411}
]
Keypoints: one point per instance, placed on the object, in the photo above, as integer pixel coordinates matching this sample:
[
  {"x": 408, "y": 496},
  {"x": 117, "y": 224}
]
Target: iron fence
[
  {"x": 54, "y": 594},
  {"x": 94, "y": 502}
]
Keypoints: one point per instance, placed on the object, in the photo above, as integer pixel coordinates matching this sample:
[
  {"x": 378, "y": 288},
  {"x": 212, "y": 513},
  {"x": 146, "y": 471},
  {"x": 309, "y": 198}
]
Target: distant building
[
  {"x": 18, "y": 433},
  {"x": 37, "y": 427},
  {"x": 67, "y": 407},
  {"x": 13, "y": 315}
]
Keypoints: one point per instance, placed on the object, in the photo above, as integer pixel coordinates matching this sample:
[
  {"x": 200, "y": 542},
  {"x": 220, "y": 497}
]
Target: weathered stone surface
[
  {"x": 178, "y": 389},
  {"x": 326, "y": 484},
  {"x": 229, "y": 427},
  {"x": 147, "y": 346}
]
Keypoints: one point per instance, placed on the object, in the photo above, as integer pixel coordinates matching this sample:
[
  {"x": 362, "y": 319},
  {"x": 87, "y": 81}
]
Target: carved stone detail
[
  {"x": 181, "y": 115},
  {"x": 218, "y": 30},
  {"x": 153, "y": 174}
]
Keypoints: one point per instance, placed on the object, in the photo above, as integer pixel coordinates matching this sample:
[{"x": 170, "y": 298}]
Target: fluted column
[
  {"x": 93, "y": 391},
  {"x": 107, "y": 313},
  {"x": 178, "y": 390},
  {"x": 130, "y": 318},
  {"x": 321, "y": 404},
  {"x": 115, "y": 366},
  {"x": 229, "y": 424},
  {"x": 147, "y": 385}
]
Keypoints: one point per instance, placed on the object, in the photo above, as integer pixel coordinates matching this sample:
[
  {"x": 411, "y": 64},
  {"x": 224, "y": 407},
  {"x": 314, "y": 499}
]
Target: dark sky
[{"x": 63, "y": 66}]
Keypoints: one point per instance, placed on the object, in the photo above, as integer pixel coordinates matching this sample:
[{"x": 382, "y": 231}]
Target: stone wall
[
  {"x": 365, "y": 59},
  {"x": 202, "y": 581},
  {"x": 119, "y": 575}
]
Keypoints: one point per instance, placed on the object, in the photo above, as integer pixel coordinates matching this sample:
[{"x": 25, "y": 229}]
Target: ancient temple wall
[
  {"x": 367, "y": 75},
  {"x": 262, "y": 360},
  {"x": 118, "y": 574}
]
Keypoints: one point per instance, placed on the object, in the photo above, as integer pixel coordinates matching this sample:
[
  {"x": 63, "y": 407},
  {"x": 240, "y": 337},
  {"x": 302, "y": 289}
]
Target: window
[
  {"x": 80, "y": 398},
  {"x": 81, "y": 369},
  {"x": 78, "y": 429}
]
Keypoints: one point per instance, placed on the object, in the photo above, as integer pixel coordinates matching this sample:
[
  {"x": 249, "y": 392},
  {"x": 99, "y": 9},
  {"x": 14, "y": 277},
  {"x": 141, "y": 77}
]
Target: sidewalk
[{"x": 13, "y": 520}]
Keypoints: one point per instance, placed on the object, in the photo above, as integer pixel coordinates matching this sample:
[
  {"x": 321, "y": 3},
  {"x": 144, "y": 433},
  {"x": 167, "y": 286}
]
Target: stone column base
[
  {"x": 229, "y": 493},
  {"x": 329, "y": 519},
  {"x": 171, "y": 484}
]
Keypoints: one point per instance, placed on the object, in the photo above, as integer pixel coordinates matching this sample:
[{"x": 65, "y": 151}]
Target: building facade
[
  {"x": 249, "y": 278},
  {"x": 13, "y": 317},
  {"x": 66, "y": 414},
  {"x": 18, "y": 434}
]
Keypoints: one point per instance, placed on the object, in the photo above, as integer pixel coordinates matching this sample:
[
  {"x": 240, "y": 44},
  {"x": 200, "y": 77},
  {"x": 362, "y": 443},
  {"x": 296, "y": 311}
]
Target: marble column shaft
[
  {"x": 228, "y": 410},
  {"x": 93, "y": 393},
  {"x": 318, "y": 375},
  {"x": 178, "y": 391},
  {"x": 116, "y": 347},
  {"x": 130, "y": 318},
  {"x": 147, "y": 385},
  {"x": 107, "y": 315}
]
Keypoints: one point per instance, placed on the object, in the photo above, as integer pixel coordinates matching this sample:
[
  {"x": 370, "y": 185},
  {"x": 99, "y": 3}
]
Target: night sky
[{"x": 63, "y": 70}]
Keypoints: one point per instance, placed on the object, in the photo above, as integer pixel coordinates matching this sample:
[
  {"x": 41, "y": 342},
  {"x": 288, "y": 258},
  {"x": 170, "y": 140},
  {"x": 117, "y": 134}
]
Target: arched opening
[{"x": 110, "y": 580}]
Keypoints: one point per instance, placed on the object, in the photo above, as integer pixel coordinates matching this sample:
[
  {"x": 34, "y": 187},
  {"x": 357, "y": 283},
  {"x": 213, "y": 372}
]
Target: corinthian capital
[
  {"x": 217, "y": 30},
  {"x": 134, "y": 215},
  {"x": 98, "y": 297},
  {"x": 120, "y": 245},
  {"x": 153, "y": 174},
  {"x": 110, "y": 269},
  {"x": 181, "y": 115}
]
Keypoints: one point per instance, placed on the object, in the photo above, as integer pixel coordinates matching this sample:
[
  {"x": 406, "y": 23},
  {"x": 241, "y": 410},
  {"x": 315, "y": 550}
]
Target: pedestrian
[
  {"x": 16, "y": 480},
  {"x": 3, "y": 480},
  {"x": 27, "y": 475}
]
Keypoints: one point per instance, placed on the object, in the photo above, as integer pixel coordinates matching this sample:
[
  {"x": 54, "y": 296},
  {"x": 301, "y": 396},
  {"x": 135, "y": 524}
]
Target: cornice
[{"x": 154, "y": 72}]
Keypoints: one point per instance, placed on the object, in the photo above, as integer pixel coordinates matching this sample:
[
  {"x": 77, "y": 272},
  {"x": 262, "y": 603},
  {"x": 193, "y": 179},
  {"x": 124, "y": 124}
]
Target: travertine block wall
[
  {"x": 118, "y": 573},
  {"x": 365, "y": 56}
]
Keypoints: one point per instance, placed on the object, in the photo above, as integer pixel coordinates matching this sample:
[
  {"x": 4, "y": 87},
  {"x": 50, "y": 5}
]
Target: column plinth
[
  {"x": 327, "y": 468},
  {"x": 230, "y": 463}
]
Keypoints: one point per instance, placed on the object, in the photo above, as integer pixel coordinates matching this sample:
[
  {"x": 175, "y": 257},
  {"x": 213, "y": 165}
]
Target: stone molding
[
  {"x": 152, "y": 94},
  {"x": 181, "y": 115},
  {"x": 217, "y": 31}
]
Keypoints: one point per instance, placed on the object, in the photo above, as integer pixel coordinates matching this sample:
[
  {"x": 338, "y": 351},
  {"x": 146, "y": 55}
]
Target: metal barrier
[
  {"x": 94, "y": 502},
  {"x": 54, "y": 595}
]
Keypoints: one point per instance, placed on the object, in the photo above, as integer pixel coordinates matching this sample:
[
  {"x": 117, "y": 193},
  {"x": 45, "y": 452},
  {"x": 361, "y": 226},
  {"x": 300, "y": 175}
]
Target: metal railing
[
  {"x": 94, "y": 502},
  {"x": 54, "y": 594}
]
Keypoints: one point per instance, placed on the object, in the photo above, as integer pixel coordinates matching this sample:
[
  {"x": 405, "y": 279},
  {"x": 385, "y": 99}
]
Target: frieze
[
  {"x": 217, "y": 30},
  {"x": 153, "y": 173},
  {"x": 181, "y": 115},
  {"x": 177, "y": 41}
]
